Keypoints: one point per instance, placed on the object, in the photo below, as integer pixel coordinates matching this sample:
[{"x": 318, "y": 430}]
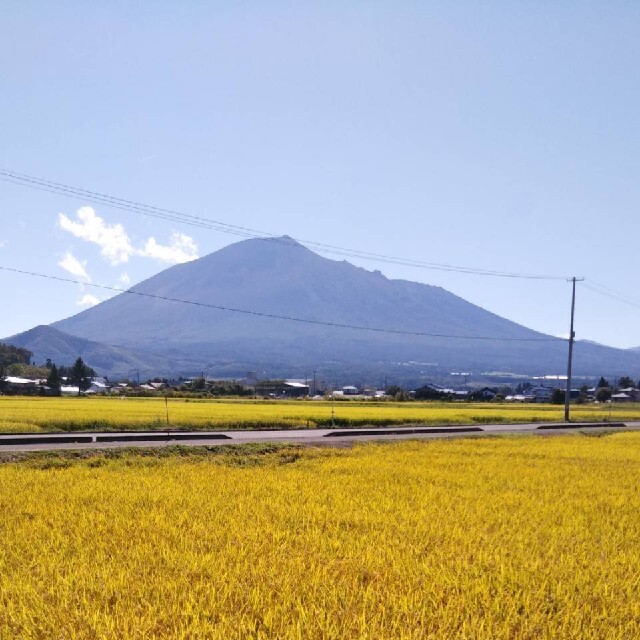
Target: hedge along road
[{"x": 316, "y": 437}]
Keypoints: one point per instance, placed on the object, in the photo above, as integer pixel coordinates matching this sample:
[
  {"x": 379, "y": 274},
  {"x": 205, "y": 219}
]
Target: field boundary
[
  {"x": 581, "y": 425},
  {"x": 399, "y": 431},
  {"x": 160, "y": 436}
]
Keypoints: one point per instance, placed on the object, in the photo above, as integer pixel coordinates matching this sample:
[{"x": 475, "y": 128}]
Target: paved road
[{"x": 324, "y": 437}]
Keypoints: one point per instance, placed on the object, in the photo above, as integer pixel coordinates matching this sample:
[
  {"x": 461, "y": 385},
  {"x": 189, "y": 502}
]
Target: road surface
[{"x": 323, "y": 437}]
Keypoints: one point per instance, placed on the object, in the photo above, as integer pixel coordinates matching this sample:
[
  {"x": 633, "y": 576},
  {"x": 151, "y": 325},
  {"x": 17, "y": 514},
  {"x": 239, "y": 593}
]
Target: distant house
[
  {"x": 69, "y": 390},
  {"x": 429, "y": 392},
  {"x": 17, "y": 386},
  {"x": 621, "y": 397},
  {"x": 21, "y": 386},
  {"x": 540, "y": 394},
  {"x": 632, "y": 392},
  {"x": 295, "y": 390},
  {"x": 99, "y": 387},
  {"x": 350, "y": 390},
  {"x": 372, "y": 392},
  {"x": 462, "y": 394},
  {"x": 284, "y": 389},
  {"x": 486, "y": 393}
]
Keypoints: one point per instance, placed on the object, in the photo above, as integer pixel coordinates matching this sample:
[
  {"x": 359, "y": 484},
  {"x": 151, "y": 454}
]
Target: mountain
[
  {"x": 279, "y": 277},
  {"x": 46, "y": 342}
]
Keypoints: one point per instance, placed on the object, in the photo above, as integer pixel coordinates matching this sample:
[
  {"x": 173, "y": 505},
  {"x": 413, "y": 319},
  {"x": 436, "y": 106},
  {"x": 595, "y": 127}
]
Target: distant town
[{"x": 19, "y": 376}]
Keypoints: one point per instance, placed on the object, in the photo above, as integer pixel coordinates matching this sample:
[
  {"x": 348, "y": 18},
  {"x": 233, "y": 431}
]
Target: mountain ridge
[
  {"x": 46, "y": 342},
  {"x": 267, "y": 278}
]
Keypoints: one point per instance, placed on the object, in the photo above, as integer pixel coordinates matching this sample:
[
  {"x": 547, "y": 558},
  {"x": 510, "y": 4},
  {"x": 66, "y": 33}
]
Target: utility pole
[
  {"x": 333, "y": 403},
  {"x": 572, "y": 335}
]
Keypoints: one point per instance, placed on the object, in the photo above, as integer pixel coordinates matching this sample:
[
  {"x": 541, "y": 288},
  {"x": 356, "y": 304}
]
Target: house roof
[{"x": 17, "y": 380}]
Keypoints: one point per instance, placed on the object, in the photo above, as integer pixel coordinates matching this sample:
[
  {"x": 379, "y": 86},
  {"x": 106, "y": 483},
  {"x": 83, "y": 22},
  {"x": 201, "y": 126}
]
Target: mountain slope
[
  {"x": 280, "y": 277},
  {"x": 287, "y": 279},
  {"x": 46, "y": 342}
]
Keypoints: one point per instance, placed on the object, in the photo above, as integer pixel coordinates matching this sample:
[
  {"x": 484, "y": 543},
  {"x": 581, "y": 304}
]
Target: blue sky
[{"x": 500, "y": 136}]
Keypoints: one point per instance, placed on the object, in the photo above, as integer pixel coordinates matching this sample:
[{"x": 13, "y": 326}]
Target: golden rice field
[
  {"x": 47, "y": 414},
  {"x": 485, "y": 539}
]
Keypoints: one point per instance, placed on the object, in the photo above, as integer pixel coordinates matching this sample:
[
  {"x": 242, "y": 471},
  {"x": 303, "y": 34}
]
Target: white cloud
[
  {"x": 72, "y": 265},
  {"x": 3, "y": 244},
  {"x": 181, "y": 249},
  {"x": 125, "y": 279},
  {"x": 88, "y": 300},
  {"x": 112, "y": 239},
  {"x": 116, "y": 246}
]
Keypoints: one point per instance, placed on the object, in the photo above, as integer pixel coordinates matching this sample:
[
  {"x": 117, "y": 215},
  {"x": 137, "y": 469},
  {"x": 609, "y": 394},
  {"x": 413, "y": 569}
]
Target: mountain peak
[
  {"x": 275, "y": 252},
  {"x": 285, "y": 240}
]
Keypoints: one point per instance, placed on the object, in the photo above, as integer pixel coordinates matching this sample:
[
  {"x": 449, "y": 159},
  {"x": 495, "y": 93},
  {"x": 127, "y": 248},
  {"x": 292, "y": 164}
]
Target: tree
[
  {"x": 603, "y": 382},
  {"x": 558, "y": 396},
  {"x": 54, "y": 380},
  {"x": 199, "y": 384},
  {"x": 583, "y": 396},
  {"x": 603, "y": 394},
  {"x": 14, "y": 355},
  {"x": 27, "y": 371},
  {"x": 625, "y": 382},
  {"x": 523, "y": 386},
  {"x": 80, "y": 375},
  {"x": 67, "y": 372}
]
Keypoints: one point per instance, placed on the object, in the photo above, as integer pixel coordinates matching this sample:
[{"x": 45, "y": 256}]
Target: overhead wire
[
  {"x": 171, "y": 215},
  {"x": 607, "y": 292},
  {"x": 275, "y": 316}
]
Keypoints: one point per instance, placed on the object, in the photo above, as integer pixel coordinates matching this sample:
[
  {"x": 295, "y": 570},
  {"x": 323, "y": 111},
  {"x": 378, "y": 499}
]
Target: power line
[
  {"x": 250, "y": 312},
  {"x": 171, "y": 215},
  {"x": 610, "y": 293}
]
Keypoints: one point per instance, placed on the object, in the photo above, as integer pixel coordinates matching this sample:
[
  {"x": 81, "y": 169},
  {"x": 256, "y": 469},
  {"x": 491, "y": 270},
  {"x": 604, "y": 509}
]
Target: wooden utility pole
[{"x": 572, "y": 335}]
